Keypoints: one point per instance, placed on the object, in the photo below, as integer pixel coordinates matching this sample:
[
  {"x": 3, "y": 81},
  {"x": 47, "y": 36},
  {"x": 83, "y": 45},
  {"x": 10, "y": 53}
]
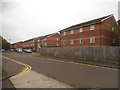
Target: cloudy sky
[{"x": 25, "y": 19}]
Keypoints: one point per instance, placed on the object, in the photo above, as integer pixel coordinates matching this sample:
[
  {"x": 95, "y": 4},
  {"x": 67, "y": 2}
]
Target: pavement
[
  {"x": 33, "y": 79},
  {"x": 72, "y": 74}
]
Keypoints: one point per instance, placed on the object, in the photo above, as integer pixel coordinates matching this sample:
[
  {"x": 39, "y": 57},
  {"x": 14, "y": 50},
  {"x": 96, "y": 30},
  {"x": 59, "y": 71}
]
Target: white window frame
[
  {"x": 80, "y": 29},
  {"x": 57, "y": 44},
  {"x": 45, "y": 44},
  {"x": 57, "y": 38},
  {"x": 64, "y": 33},
  {"x": 92, "y": 39},
  {"x": 80, "y": 41},
  {"x": 113, "y": 29},
  {"x": 72, "y": 32},
  {"x": 92, "y": 27},
  {"x": 64, "y": 42},
  {"x": 113, "y": 40},
  {"x": 71, "y": 41}
]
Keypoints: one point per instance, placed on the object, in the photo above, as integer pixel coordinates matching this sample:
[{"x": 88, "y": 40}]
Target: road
[{"x": 75, "y": 75}]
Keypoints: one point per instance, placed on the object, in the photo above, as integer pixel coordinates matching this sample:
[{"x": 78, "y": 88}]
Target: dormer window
[
  {"x": 72, "y": 32},
  {"x": 92, "y": 27}
]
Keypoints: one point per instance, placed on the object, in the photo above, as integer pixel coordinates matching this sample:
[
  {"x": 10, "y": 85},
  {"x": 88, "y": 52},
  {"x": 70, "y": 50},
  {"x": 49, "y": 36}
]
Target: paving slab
[{"x": 33, "y": 79}]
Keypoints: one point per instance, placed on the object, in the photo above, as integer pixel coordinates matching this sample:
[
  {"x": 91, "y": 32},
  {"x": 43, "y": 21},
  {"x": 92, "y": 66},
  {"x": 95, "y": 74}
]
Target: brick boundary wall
[{"x": 102, "y": 54}]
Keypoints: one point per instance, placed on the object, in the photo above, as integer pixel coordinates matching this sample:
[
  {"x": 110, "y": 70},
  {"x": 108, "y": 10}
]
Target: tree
[{"x": 4, "y": 44}]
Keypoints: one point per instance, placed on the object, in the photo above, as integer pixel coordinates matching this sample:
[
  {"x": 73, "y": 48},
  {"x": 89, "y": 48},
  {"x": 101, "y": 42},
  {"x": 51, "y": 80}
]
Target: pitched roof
[
  {"x": 118, "y": 21},
  {"x": 95, "y": 21}
]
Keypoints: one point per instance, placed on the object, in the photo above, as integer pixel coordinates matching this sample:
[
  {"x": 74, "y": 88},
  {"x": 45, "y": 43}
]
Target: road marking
[
  {"x": 27, "y": 69},
  {"x": 84, "y": 64}
]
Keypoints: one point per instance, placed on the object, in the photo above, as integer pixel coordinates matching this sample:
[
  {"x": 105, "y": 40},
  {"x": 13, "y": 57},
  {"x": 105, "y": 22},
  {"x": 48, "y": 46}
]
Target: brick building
[
  {"x": 17, "y": 45},
  {"x": 51, "y": 40},
  {"x": 98, "y": 32},
  {"x": 119, "y": 31},
  {"x": 30, "y": 44}
]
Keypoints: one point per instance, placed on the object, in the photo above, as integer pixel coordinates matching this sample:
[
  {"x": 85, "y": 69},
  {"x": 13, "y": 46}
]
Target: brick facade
[
  {"x": 51, "y": 40},
  {"x": 17, "y": 45},
  {"x": 119, "y": 31},
  {"x": 92, "y": 33},
  {"x": 103, "y": 31},
  {"x": 30, "y": 44}
]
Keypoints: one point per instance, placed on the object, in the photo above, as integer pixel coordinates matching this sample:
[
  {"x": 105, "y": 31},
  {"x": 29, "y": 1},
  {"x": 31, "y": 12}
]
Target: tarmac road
[{"x": 75, "y": 75}]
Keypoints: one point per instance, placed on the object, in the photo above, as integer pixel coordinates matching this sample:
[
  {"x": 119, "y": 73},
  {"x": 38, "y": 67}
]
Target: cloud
[{"x": 24, "y": 19}]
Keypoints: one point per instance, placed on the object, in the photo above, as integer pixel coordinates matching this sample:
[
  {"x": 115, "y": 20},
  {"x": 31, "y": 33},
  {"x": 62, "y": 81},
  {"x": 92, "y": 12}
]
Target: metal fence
[{"x": 90, "y": 53}]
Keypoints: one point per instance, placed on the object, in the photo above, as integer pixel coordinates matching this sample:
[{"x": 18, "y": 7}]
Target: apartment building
[
  {"x": 119, "y": 31},
  {"x": 98, "y": 32},
  {"x": 17, "y": 45},
  {"x": 51, "y": 40},
  {"x": 30, "y": 44}
]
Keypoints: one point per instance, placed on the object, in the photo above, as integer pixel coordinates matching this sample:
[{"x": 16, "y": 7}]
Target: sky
[{"x": 25, "y": 19}]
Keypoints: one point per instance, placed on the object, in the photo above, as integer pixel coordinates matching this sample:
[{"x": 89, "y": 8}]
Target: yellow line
[
  {"x": 27, "y": 69},
  {"x": 85, "y": 64}
]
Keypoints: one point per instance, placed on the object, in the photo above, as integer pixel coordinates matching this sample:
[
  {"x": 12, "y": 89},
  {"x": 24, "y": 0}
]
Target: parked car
[
  {"x": 12, "y": 50},
  {"x": 27, "y": 50},
  {"x": 19, "y": 50},
  {"x": 3, "y": 50}
]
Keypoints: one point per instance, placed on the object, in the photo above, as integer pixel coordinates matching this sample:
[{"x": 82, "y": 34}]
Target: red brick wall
[
  {"x": 106, "y": 31},
  {"x": 103, "y": 35},
  {"x": 85, "y": 35},
  {"x": 119, "y": 33},
  {"x": 52, "y": 41}
]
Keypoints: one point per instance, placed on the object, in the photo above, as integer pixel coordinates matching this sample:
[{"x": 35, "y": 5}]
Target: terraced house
[{"x": 98, "y": 32}]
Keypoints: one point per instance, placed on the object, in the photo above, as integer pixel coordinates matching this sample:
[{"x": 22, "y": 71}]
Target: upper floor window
[
  {"x": 57, "y": 44},
  {"x": 57, "y": 39},
  {"x": 64, "y": 42},
  {"x": 92, "y": 27},
  {"x": 64, "y": 33},
  {"x": 72, "y": 32},
  {"x": 113, "y": 40},
  {"x": 71, "y": 41},
  {"x": 45, "y": 44},
  {"x": 45, "y": 38},
  {"x": 113, "y": 29},
  {"x": 92, "y": 40},
  {"x": 38, "y": 40},
  {"x": 80, "y": 41},
  {"x": 81, "y": 30}
]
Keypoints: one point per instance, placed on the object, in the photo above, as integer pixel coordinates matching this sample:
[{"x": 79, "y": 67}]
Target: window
[
  {"x": 81, "y": 30},
  {"x": 64, "y": 42},
  {"x": 57, "y": 39},
  {"x": 45, "y": 44},
  {"x": 64, "y": 33},
  {"x": 92, "y": 40},
  {"x": 45, "y": 38},
  {"x": 38, "y": 40},
  {"x": 113, "y": 40},
  {"x": 71, "y": 41},
  {"x": 72, "y": 32},
  {"x": 113, "y": 29},
  {"x": 92, "y": 27},
  {"x": 57, "y": 44},
  {"x": 80, "y": 41}
]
